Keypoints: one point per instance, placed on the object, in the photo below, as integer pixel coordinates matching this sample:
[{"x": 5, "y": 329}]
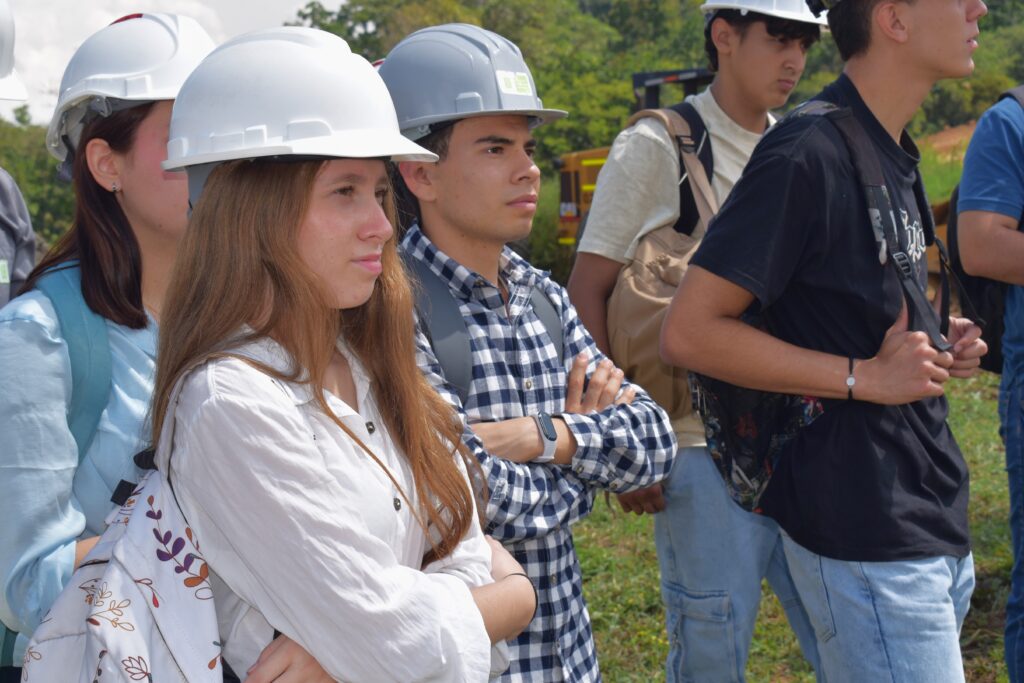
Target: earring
[{"x": 115, "y": 188}]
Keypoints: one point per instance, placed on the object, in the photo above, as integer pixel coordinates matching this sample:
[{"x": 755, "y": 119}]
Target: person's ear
[
  {"x": 724, "y": 37},
  {"x": 104, "y": 164},
  {"x": 420, "y": 178},
  {"x": 890, "y": 18}
]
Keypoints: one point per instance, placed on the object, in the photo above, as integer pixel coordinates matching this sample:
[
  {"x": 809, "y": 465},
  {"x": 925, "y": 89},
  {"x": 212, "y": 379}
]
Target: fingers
[
  {"x": 574, "y": 385},
  {"x": 627, "y": 396},
  {"x": 967, "y": 337},
  {"x": 271, "y": 663},
  {"x": 611, "y": 389},
  {"x": 649, "y": 500},
  {"x": 595, "y": 387}
]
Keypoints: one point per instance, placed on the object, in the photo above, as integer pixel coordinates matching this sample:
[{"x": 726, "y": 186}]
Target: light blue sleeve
[
  {"x": 993, "y": 178},
  {"x": 40, "y": 519}
]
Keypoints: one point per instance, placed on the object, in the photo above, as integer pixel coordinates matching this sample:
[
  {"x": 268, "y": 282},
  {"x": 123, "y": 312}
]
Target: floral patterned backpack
[{"x": 140, "y": 607}]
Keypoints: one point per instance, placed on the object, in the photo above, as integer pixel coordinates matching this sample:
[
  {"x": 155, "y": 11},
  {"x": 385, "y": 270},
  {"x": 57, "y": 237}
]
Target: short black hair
[
  {"x": 787, "y": 29},
  {"x": 850, "y": 24}
]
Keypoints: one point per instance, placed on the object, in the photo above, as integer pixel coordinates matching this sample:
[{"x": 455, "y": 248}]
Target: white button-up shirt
[{"x": 302, "y": 532}]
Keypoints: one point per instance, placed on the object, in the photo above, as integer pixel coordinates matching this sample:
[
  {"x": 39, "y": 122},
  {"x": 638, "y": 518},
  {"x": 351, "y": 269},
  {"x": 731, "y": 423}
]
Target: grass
[{"x": 621, "y": 581}]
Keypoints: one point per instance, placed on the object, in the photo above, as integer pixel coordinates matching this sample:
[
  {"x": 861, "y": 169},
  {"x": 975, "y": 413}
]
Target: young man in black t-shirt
[{"x": 872, "y": 496}]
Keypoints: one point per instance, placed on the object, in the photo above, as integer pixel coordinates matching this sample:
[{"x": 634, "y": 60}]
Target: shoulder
[
  {"x": 640, "y": 140},
  {"x": 232, "y": 384},
  {"x": 32, "y": 307},
  {"x": 1002, "y": 123}
]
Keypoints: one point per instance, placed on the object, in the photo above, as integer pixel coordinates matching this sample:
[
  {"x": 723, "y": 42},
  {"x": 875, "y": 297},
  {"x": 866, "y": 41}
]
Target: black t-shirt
[{"x": 864, "y": 481}]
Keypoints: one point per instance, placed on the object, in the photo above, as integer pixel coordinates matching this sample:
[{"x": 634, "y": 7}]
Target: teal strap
[
  {"x": 7, "y": 651},
  {"x": 85, "y": 333}
]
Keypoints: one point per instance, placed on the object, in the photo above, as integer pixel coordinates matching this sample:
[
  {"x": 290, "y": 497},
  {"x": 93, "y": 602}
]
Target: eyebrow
[{"x": 498, "y": 140}]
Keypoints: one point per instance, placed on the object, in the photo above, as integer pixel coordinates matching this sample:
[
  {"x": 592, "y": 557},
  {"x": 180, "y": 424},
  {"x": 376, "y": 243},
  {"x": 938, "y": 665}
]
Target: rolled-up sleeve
[
  {"x": 288, "y": 538},
  {"x": 41, "y": 519}
]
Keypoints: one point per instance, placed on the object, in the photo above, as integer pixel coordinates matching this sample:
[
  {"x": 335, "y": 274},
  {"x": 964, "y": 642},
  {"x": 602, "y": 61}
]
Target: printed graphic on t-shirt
[
  {"x": 914, "y": 233},
  {"x": 5, "y": 272}
]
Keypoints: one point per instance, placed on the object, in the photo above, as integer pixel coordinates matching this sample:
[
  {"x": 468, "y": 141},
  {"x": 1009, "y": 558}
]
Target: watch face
[
  {"x": 547, "y": 427},
  {"x": 850, "y": 381}
]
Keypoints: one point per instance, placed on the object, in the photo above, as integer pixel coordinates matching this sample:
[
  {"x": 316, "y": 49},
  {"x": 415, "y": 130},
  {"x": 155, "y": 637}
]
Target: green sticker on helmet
[{"x": 514, "y": 83}]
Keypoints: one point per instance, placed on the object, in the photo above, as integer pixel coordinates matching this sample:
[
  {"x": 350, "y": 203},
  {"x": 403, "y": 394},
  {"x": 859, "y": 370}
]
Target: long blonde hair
[{"x": 238, "y": 264}]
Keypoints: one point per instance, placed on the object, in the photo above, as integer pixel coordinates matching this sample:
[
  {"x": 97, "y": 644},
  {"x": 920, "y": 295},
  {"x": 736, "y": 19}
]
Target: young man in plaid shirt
[{"x": 550, "y": 421}]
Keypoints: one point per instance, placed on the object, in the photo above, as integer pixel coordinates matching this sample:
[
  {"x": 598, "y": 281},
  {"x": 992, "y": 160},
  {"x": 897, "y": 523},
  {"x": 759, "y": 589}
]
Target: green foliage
[{"x": 23, "y": 155}]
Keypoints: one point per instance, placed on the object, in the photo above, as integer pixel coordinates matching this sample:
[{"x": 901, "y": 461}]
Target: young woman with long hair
[{"x": 318, "y": 469}]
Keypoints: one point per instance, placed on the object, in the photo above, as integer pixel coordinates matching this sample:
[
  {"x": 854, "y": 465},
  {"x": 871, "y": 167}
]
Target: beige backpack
[{"x": 645, "y": 287}]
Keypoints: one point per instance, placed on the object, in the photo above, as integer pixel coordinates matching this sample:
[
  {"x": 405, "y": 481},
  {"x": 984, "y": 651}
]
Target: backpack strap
[
  {"x": 446, "y": 328},
  {"x": 1014, "y": 93},
  {"x": 691, "y": 167},
  {"x": 85, "y": 333},
  {"x": 883, "y": 217},
  {"x": 444, "y": 325}
]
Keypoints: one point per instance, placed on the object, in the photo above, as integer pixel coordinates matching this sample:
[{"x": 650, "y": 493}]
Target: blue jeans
[
  {"x": 1011, "y": 429},
  {"x": 713, "y": 555},
  {"x": 885, "y": 622}
]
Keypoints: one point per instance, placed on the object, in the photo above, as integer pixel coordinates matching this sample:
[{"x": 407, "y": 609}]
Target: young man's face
[
  {"x": 486, "y": 187},
  {"x": 943, "y": 33},
  {"x": 765, "y": 68}
]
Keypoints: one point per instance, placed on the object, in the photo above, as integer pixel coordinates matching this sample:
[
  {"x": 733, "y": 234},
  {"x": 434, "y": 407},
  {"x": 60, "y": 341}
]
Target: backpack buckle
[{"x": 903, "y": 263}]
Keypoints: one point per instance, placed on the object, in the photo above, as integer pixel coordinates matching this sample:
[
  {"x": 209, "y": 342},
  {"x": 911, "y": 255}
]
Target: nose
[
  {"x": 796, "y": 57},
  {"x": 529, "y": 170},
  {"x": 981, "y": 10},
  {"x": 377, "y": 226}
]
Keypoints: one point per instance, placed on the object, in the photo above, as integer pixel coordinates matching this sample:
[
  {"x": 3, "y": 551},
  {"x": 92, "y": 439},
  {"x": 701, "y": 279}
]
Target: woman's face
[
  {"x": 343, "y": 233},
  {"x": 155, "y": 201}
]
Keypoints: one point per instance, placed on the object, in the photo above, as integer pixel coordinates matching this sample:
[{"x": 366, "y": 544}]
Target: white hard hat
[
  {"x": 795, "y": 10},
  {"x": 11, "y": 87},
  {"x": 288, "y": 91},
  {"x": 139, "y": 58},
  {"x": 455, "y": 71}
]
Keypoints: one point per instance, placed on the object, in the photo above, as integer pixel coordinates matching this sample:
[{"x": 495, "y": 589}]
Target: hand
[
  {"x": 602, "y": 390},
  {"x": 905, "y": 369},
  {"x": 649, "y": 500},
  {"x": 968, "y": 347},
  {"x": 285, "y": 661},
  {"x": 502, "y": 562}
]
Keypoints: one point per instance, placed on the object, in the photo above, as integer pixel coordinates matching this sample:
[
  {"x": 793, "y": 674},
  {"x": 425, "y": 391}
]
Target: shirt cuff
[{"x": 590, "y": 462}]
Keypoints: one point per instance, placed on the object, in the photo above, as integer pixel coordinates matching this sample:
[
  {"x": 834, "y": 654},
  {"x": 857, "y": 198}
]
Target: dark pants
[{"x": 10, "y": 674}]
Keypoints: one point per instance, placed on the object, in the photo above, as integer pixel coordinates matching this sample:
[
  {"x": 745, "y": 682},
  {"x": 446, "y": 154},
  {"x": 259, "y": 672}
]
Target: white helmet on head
[
  {"x": 11, "y": 87},
  {"x": 283, "y": 92},
  {"x": 454, "y": 71},
  {"x": 137, "y": 59},
  {"x": 795, "y": 10}
]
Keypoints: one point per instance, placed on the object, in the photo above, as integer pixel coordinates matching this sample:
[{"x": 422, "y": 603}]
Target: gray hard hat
[{"x": 455, "y": 71}]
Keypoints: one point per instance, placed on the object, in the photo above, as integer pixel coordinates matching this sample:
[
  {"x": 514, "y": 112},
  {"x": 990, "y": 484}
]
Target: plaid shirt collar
[{"x": 464, "y": 282}]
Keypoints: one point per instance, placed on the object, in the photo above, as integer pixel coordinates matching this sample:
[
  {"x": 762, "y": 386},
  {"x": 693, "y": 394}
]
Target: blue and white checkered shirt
[{"x": 532, "y": 507}]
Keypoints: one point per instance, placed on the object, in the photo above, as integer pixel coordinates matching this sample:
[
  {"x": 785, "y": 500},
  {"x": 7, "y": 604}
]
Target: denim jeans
[
  {"x": 1011, "y": 429},
  {"x": 713, "y": 555},
  {"x": 885, "y": 622}
]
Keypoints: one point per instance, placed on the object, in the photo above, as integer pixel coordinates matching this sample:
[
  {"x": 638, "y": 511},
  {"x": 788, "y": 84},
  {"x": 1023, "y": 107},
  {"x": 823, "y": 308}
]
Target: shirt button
[
  {"x": 579, "y": 469},
  {"x": 528, "y": 384},
  {"x": 398, "y": 504},
  {"x": 480, "y": 282},
  {"x": 553, "y": 579},
  {"x": 370, "y": 427}
]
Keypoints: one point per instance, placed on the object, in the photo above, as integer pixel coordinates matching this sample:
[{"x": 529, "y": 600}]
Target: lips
[
  {"x": 371, "y": 263},
  {"x": 526, "y": 201},
  {"x": 787, "y": 84}
]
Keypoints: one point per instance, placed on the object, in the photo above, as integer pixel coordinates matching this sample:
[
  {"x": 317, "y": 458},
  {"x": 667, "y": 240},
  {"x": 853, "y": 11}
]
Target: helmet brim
[{"x": 418, "y": 128}]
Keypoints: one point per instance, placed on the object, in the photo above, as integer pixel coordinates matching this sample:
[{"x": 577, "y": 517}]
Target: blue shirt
[
  {"x": 531, "y": 507},
  {"x": 993, "y": 181},
  {"x": 48, "y": 500}
]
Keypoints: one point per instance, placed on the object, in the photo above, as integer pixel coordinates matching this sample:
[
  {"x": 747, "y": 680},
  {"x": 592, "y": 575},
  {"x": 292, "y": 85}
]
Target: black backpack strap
[
  {"x": 443, "y": 324},
  {"x": 883, "y": 221},
  {"x": 699, "y": 144},
  {"x": 549, "y": 318},
  {"x": 1015, "y": 93}
]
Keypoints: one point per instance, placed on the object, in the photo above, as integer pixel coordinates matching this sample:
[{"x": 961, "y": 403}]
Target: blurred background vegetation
[{"x": 582, "y": 54}]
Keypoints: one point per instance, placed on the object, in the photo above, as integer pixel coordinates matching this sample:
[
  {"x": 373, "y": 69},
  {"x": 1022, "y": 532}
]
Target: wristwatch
[
  {"x": 548, "y": 435},
  {"x": 851, "y": 382}
]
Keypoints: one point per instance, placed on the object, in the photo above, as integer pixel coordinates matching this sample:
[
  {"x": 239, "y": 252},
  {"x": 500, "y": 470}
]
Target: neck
[
  {"x": 481, "y": 256},
  {"x": 158, "y": 254},
  {"x": 892, "y": 94},
  {"x": 738, "y": 107}
]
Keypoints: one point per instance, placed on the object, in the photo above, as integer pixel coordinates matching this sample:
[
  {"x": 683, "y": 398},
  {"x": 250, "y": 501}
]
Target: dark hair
[
  {"x": 408, "y": 207},
  {"x": 786, "y": 29},
  {"x": 850, "y": 24},
  {"x": 101, "y": 237}
]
